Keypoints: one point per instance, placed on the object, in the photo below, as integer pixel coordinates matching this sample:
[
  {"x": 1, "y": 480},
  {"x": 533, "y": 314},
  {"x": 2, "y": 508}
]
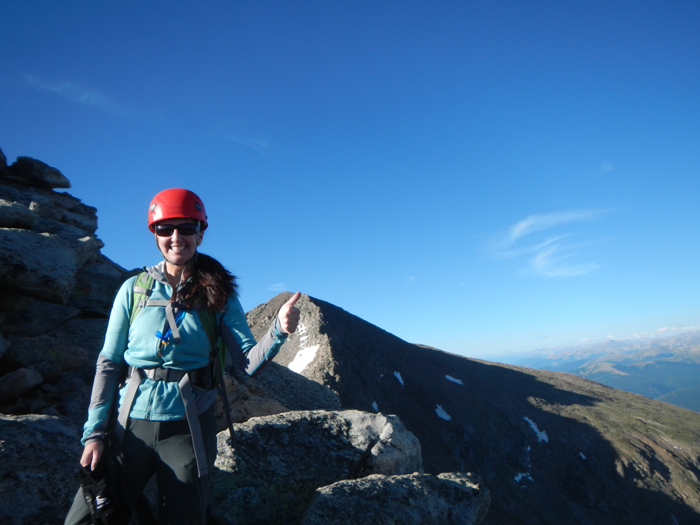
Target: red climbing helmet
[{"x": 176, "y": 203}]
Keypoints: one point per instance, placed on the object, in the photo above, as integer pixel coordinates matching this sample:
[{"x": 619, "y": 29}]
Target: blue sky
[{"x": 482, "y": 177}]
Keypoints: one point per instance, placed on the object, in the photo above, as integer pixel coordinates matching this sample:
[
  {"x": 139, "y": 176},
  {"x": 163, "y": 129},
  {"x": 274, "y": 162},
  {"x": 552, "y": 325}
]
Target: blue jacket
[{"x": 137, "y": 345}]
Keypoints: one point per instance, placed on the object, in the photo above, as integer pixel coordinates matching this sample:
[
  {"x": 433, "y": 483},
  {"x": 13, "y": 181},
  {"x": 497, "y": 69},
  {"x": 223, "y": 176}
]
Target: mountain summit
[{"x": 552, "y": 447}]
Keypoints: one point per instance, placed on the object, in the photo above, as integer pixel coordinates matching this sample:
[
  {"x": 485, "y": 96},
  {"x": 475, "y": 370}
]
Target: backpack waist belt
[
  {"x": 200, "y": 378},
  {"x": 182, "y": 377}
]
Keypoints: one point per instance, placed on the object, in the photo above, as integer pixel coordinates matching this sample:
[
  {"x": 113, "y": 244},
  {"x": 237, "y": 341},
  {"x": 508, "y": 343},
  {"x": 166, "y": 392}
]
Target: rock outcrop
[
  {"x": 277, "y": 462},
  {"x": 411, "y": 499},
  {"x": 37, "y": 468},
  {"x": 57, "y": 290}
]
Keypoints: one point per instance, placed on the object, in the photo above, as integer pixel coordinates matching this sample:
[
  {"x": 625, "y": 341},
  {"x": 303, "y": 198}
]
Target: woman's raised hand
[{"x": 289, "y": 314}]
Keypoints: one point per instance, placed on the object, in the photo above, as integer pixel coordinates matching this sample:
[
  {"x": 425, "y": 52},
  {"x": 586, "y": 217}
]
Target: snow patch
[
  {"x": 441, "y": 413},
  {"x": 398, "y": 376},
  {"x": 454, "y": 380},
  {"x": 541, "y": 435},
  {"x": 374, "y": 406},
  {"x": 303, "y": 358},
  {"x": 582, "y": 455}
]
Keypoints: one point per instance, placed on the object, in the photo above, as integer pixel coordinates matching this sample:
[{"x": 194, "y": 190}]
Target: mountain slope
[{"x": 552, "y": 447}]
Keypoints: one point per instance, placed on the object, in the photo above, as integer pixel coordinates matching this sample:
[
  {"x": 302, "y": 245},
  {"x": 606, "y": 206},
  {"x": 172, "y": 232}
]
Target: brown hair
[{"x": 209, "y": 285}]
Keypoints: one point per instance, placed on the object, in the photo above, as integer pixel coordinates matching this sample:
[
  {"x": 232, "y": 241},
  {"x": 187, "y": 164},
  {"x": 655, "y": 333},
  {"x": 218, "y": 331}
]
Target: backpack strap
[
  {"x": 218, "y": 357},
  {"x": 211, "y": 327},
  {"x": 143, "y": 287}
]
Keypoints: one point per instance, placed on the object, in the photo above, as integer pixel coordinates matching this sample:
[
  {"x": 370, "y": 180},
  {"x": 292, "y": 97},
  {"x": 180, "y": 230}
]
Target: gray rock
[
  {"x": 87, "y": 223},
  {"x": 96, "y": 285},
  {"x": 292, "y": 390},
  {"x": 14, "y": 384},
  {"x": 39, "y": 457},
  {"x": 46, "y": 211},
  {"x": 75, "y": 397},
  {"x": 39, "y": 265},
  {"x": 278, "y": 461},
  {"x": 85, "y": 249},
  {"x": 244, "y": 404},
  {"x": 4, "y": 344},
  {"x": 48, "y": 355},
  {"x": 13, "y": 301},
  {"x": 32, "y": 172},
  {"x": 37, "y": 318},
  {"x": 453, "y": 498},
  {"x": 14, "y": 215},
  {"x": 52, "y": 207},
  {"x": 89, "y": 334}
]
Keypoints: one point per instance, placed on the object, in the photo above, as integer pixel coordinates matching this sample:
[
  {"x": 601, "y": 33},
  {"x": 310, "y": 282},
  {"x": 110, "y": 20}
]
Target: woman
[{"x": 156, "y": 337}]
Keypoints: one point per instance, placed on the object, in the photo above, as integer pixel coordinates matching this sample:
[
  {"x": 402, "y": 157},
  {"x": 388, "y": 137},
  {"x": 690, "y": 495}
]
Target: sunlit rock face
[{"x": 57, "y": 291}]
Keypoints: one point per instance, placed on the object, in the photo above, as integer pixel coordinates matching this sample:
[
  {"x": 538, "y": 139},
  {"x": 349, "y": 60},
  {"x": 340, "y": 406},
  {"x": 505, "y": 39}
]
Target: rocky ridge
[
  {"x": 56, "y": 293},
  {"x": 552, "y": 447},
  {"x": 57, "y": 290}
]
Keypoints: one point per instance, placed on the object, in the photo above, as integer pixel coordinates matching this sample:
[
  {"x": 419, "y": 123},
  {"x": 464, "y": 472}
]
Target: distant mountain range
[{"x": 667, "y": 369}]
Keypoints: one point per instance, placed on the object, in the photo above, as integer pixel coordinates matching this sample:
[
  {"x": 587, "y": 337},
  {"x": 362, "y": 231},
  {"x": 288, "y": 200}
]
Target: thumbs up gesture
[{"x": 289, "y": 314}]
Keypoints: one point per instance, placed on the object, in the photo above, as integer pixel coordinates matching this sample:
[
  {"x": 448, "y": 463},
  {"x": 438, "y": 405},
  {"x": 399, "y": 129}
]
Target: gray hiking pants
[{"x": 164, "y": 448}]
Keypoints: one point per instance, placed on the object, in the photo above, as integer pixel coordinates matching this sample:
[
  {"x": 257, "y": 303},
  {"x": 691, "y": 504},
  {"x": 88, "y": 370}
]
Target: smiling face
[{"x": 178, "y": 249}]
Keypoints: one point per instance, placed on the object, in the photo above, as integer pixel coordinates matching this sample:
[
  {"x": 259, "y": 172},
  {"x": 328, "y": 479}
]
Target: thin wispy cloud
[
  {"x": 538, "y": 222},
  {"x": 80, "y": 94},
  {"x": 277, "y": 287},
  {"x": 606, "y": 167},
  {"x": 544, "y": 253},
  {"x": 260, "y": 145}
]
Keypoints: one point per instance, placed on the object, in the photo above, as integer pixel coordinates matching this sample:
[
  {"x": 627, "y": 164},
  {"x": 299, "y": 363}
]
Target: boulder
[
  {"x": 47, "y": 355},
  {"x": 31, "y": 172},
  {"x": 39, "y": 264},
  {"x": 244, "y": 404},
  {"x": 85, "y": 249},
  {"x": 14, "y": 215},
  {"x": 87, "y": 333},
  {"x": 278, "y": 461},
  {"x": 13, "y": 301},
  {"x": 46, "y": 211},
  {"x": 289, "y": 389},
  {"x": 96, "y": 284},
  {"x": 38, "y": 464},
  {"x": 16, "y": 383},
  {"x": 37, "y": 318},
  {"x": 52, "y": 207},
  {"x": 412, "y": 499}
]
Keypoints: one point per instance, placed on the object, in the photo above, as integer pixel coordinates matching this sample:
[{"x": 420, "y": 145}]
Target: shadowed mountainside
[{"x": 552, "y": 447}]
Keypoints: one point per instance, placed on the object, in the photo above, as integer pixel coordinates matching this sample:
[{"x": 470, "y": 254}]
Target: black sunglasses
[{"x": 167, "y": 230}]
